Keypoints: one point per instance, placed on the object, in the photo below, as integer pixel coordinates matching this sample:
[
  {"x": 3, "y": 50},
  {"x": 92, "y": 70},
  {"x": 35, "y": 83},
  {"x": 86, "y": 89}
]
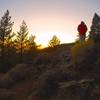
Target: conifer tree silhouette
[
  {"x": 95, "y": 28},
  {"x": 22, "y": 39},
  {"x": 54, "y": 41},
  {"x": 5, "y": 33}
]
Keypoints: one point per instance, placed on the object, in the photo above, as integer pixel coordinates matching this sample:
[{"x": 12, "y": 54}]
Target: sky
[{"x": 46, "y": 18}]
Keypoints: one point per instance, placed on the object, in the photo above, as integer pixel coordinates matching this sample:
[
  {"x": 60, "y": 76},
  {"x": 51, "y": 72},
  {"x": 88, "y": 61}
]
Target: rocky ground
[{"x": 55, "y": 75}]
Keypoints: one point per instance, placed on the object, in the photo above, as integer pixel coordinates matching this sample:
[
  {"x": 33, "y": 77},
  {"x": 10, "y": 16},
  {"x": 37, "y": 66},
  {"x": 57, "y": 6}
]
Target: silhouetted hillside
[{"x": 66, "y": 72}]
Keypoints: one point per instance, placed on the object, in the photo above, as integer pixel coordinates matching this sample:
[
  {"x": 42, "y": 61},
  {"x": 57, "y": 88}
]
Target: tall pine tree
[
  {"x": 95, "y": 28},
  {"x": 22, "y": 39},
  {"x": 5, "y": 32}
]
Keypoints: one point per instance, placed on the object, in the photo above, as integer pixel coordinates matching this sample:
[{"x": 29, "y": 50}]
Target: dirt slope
[{"x": 54, "y": 76}]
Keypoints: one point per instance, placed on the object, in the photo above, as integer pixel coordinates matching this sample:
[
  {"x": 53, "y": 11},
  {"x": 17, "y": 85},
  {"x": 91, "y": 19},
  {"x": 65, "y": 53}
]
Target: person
[{"x": 82, "y": 29}]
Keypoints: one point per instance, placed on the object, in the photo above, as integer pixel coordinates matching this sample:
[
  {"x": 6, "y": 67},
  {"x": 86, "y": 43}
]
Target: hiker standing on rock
[{"x": 82, "y": 29}]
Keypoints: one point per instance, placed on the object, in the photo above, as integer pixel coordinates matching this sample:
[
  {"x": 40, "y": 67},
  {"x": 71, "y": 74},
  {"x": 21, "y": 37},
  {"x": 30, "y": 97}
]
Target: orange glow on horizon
[
  {"x": 45, "y": 27},
  {"x": 44, "y": 38}
]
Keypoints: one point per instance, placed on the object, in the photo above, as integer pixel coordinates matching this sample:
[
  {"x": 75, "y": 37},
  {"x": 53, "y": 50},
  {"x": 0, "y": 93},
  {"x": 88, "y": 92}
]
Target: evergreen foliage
[
  {"x": 54, "y": 41},
  {"x": 95, "y": 28},
  {"x": 32, "y": 43},
  {"x": 22, "y": 39},
  {"x": 5, "y": 34}
]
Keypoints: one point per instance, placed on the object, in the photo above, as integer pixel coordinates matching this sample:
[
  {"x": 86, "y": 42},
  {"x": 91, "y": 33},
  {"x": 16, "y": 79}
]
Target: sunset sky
[{"x": 46, "y": 18}]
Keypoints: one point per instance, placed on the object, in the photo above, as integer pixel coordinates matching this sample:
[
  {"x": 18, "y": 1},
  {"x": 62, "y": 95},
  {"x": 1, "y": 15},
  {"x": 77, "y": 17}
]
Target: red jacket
[{"x": 82, "y": 29}]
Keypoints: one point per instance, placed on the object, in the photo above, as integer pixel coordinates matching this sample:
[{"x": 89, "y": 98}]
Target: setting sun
[
  {"x": 44, "y": 38},
  {"x": 45, "y": 27}
]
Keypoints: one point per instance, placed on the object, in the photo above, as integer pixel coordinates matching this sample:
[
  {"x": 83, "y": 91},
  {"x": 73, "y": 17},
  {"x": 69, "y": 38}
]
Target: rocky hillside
[{"x": 55, "y": 75}]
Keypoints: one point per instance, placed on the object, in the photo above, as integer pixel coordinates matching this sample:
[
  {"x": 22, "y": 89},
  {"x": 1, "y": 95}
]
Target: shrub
[
  {"x": 19, "y": 73},
  {"x": 7, "y": 95},
  {"x": 79, "y": 49}
]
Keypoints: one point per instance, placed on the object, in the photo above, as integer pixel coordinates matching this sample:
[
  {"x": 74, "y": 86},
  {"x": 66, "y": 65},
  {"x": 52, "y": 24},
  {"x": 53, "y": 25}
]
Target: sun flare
[{"x": 44, "y": 38}]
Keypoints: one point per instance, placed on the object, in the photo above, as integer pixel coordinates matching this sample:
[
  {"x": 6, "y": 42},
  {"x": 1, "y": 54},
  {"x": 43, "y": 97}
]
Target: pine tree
[
  {"x": 5, "y": 32},
  {"x": 22, "y": 39},
  {"x": 31, "y": 48},
  {"x": 95, "y": 27},
  {"x": 54, "y": 41},
  {"x": 31, "y": 43}
]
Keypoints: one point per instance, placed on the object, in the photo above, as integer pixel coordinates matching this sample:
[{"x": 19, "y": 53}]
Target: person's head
[{"x": 82, "y": 22}]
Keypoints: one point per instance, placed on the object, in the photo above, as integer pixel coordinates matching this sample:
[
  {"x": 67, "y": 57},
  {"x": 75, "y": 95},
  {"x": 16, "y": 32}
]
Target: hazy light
[{"x": 46, "y": 18}]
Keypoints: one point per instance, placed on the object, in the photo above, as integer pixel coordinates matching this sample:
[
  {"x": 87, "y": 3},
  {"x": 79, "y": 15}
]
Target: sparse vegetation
[
  {"x": 79, "y": 49},
  {"x": 18, "y": 46},
  {"x": 54, "y": 41}
]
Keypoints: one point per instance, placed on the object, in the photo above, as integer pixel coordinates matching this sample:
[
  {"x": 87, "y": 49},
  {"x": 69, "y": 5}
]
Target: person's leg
[{"x": 82, "y": 38}]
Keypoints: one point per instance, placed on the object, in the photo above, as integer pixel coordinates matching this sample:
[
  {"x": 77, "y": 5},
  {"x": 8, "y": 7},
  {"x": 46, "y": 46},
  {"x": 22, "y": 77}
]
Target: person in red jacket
[{"x": 82, "y": 29}]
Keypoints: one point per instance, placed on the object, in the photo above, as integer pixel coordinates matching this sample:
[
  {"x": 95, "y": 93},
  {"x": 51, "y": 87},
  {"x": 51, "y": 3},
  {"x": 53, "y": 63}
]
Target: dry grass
[{"x": 7, "y": 95}]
